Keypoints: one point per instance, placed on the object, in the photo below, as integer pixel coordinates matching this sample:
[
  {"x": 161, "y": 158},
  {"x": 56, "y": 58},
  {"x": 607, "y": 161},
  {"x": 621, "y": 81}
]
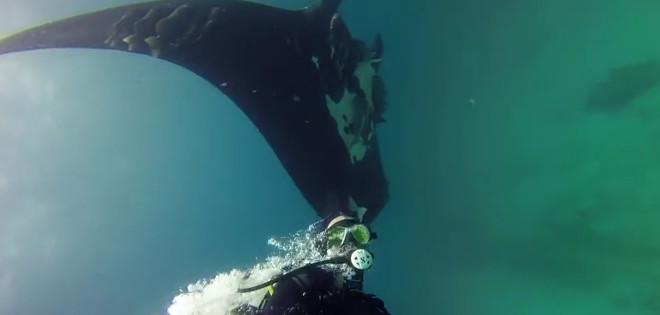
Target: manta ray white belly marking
[{"x": 354, "y": 113}]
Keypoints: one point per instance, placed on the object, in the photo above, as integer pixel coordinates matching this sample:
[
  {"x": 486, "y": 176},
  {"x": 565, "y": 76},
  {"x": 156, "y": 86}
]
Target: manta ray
[{"x": 312, "y": 90}]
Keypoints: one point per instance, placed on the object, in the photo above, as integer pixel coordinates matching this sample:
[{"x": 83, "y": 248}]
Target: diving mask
[{"x": 338, "y": 235}]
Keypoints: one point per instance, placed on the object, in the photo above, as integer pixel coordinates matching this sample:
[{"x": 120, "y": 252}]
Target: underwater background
[{"x": 521, "y": 143}]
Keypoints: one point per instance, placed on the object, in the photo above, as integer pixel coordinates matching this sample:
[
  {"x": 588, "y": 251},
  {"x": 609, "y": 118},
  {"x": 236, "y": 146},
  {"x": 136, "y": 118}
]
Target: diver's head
[
  {"x": 346, "y": 240},
  {"x": 345, "y": 232},
  {"x": 346, "y": 236}
]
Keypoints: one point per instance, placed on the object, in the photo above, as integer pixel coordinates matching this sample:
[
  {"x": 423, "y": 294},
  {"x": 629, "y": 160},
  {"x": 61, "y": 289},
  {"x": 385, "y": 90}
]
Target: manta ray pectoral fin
[
  {"x": 127, "y": 27},
  {"x": 276, "y": 65}
]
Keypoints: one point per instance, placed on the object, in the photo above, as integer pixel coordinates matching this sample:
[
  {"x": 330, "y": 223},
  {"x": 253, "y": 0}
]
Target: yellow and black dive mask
[{"x": 359, "y": 234}]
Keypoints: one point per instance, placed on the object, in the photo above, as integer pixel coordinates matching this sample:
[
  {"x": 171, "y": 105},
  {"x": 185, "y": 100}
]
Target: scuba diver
[
  {"x": 313, "y": 91},
  {"x": 311, "y": 289}
]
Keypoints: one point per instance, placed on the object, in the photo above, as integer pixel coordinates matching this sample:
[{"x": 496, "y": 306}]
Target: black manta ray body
[{"x": 311, "y": 89}]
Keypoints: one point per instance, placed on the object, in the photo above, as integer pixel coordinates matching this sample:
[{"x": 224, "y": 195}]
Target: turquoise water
[{"x": 124, "y": 178}]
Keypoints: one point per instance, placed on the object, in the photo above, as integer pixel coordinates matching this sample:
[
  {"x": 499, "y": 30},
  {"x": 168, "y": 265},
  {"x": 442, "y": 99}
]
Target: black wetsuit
[{"x": 317, "y": 291}]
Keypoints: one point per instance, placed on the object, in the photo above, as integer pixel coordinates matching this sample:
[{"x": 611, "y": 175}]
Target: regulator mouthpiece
[{"x": 361, "y": 259}]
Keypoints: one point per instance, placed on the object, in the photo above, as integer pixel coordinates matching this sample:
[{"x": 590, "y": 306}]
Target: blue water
[{"x": 124, "y": 178}]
